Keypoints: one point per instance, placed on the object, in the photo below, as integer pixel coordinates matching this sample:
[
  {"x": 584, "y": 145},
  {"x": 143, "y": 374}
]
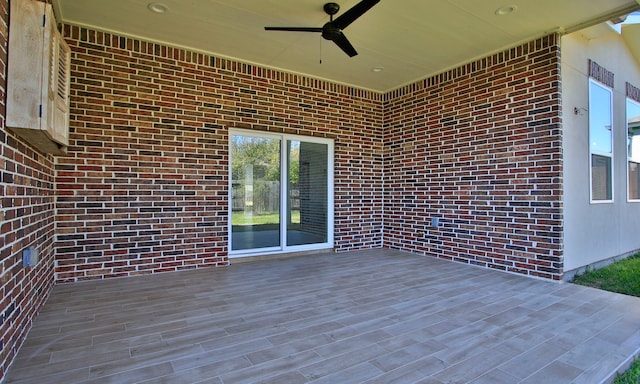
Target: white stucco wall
[{"x": 594, "y": 232}]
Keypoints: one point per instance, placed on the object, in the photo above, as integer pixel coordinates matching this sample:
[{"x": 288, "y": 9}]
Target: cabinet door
[
  {"x": 57, "y": 91},
  {"x": 37, "y": 77},
  {"x": 25, "y": 64},
  {"x": 60, "y": 131}
]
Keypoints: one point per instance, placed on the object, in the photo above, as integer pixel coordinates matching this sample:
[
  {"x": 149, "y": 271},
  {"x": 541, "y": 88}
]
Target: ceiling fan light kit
[{"x": 332, "y": 30}]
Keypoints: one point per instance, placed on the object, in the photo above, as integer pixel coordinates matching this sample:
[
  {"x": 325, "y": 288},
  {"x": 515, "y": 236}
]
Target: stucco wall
[{"x": 595, "y": 231}]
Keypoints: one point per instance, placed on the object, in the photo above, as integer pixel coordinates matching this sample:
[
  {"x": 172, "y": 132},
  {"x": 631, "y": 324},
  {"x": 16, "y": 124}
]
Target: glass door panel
[
  {"x": 255, "y": 191},
  {"x": 307, "y": 187}
]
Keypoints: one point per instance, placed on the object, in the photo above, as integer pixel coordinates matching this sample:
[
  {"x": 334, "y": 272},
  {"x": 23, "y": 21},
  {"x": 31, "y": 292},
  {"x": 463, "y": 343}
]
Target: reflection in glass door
[
  {"x": 281, "y": 196},
  {"x": 255, "y": 186},
  {"x": 307, "y": 186}
]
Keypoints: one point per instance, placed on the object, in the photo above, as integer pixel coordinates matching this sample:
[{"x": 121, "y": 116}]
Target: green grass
[
  {"x": 631, "y": 376},
  {"x": 622, "y": 277},
  {"x": 240, "y": 218}
]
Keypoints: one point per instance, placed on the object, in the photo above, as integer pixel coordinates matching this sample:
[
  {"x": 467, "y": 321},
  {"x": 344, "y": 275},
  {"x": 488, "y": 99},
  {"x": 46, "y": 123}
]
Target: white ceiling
[{"x": 410, "y": 39}]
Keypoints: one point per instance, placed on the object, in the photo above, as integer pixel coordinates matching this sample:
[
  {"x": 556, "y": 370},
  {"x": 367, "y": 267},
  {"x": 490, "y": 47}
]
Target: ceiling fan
[{"x": 333, "y": 29}]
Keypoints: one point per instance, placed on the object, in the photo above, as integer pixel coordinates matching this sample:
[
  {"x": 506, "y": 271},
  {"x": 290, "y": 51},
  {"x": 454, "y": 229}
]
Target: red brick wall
[
  {"x": 479, "y": 148},
  {"x": 144, "y": 186},
  {"x": 26, "y": 219}
]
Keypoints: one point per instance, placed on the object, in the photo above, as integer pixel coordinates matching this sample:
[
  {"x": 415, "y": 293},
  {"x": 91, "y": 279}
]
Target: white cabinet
[{"x": 37, "y": 77}]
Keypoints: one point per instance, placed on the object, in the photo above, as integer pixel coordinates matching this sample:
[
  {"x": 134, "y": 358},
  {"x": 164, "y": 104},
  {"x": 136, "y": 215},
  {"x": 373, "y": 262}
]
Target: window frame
[
  {"x": 628, "y": 101},
  {"x": 592, "y": 152}
]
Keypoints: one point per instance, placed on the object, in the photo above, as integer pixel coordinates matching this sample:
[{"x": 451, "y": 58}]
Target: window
[
  {"x": 633, "y": 149},
  {"x": 281, "y": 193},
  {"x": 600, "y": 141}
]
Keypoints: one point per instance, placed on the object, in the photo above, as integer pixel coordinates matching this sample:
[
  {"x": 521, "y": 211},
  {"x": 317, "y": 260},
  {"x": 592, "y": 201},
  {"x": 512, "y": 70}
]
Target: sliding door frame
[{"x": 284, "y": 193}]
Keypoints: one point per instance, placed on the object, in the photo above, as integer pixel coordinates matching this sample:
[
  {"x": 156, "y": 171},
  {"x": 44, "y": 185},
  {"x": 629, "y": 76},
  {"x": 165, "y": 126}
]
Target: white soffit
[{"x": 409, "y": 39}]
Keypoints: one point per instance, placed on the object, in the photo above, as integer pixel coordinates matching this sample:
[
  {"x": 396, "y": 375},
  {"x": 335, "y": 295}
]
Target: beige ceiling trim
[{"x": 617, "y": 13}]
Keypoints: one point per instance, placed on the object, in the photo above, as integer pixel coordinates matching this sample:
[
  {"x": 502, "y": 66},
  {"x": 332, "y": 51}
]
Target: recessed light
[
  {"x": 157, "y": 7},
  {"x": 506, "y": 10},
  {"x": 377, "y": 69}
]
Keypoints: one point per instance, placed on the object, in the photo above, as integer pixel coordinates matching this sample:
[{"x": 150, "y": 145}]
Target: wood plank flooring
[{"x": 376, "y": 316}]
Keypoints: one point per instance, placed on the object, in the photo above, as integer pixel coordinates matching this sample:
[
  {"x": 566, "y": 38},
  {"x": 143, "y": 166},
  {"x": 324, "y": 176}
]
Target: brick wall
[
  {"x": 479, "y": 149},
  {"x": 144, "y": 186},
  {"x": 26, "y": 219}
]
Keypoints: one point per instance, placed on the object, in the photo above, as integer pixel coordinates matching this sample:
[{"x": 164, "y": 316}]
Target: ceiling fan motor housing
[{"x": 330, "y": 31}]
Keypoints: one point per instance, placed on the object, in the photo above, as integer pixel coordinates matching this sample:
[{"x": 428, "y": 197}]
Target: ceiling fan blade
[
  {"x": 294, "y": 29},
  {"x": 352, "y": 14},
  {"x": 341, "y": 41}
]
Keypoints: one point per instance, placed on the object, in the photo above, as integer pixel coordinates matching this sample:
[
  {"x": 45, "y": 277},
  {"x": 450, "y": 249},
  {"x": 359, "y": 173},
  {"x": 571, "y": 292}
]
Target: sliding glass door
[{"x": 281, "y": 193}]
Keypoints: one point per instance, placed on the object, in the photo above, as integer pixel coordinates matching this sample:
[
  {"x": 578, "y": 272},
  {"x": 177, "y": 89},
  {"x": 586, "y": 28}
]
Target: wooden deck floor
[{"x": 376, "y": 316}]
